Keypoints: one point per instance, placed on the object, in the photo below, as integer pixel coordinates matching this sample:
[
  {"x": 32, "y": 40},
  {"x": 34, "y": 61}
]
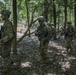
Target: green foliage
[
  {"x": 37, "y": 7},
  {"x": 2, "y": 3},
  {"x": 21, "y": 9}
]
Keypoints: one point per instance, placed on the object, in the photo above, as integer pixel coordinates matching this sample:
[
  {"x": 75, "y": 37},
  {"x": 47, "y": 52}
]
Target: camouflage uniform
[
  {"x": 75, "y": 32},
  {"x": 52, "y": 32},
  {"x": 69, "y": 32},
  {"x": 6, "y": 36},
  {"x": 43, "y": 36}
]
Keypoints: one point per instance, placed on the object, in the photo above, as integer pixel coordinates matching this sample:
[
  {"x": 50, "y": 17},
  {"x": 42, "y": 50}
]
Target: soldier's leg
[
  {"x": 7, "y": 66},
  {"x": 0, "y": 50},
  {"x": 67, "y": 44},
  {"x": 70, "y": 45},
  {"x": 7, "y": 60},
  {"x": 41, "y": 49},
  {"x": 44, "y": 53}
]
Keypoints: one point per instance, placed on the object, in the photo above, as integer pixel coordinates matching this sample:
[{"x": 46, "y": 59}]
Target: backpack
[{"x": 51, "y": 29}]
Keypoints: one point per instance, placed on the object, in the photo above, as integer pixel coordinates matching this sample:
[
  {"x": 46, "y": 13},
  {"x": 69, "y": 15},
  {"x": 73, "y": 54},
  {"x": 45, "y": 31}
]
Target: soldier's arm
[
  {"x": 49, "y": 35},
  {"x": 9, "y": 32}
]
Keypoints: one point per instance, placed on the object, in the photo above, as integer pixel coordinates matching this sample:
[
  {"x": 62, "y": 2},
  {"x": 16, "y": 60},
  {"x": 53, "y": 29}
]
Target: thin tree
[
  {"x": 15, "y": 25},
  {"x": 75, "y": 13},
  {"x": 65, "y": 13},
  {"x": 46, "y": 10},
  {"x": 27, "y": 8},
  {"x": 54, "y": 13}
]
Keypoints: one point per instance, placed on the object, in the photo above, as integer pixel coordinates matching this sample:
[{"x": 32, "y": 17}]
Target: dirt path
[
  {"x": 61, "y": 61},
  {"x": 31, "y": 63}
]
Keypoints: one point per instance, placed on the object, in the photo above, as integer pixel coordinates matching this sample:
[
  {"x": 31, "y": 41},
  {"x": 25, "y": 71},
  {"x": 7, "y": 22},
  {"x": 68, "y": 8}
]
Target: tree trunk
[
  {"x": 46, "y": 10},
  {"x": 26, "y": 31},
  {"x": 15, "y": 25},
  {"x": 58, "y": 21},
  {"x": 51, "y": 12},
  {"x": 54, "y": 11},
  {"x": 26, "y": 2},
  {"x": 62, "y": 19},
  {"x": 65, "y": 12},
  {"x": 75, "y": 14},
  {"x": 51, "y": 16}
]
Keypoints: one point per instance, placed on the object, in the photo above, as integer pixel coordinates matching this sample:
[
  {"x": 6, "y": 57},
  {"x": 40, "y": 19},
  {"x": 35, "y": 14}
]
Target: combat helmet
[
  {"x": 69, "y": 23},
  {"x": 5, "y": 12},
  {"x": 40, "y": 18}
]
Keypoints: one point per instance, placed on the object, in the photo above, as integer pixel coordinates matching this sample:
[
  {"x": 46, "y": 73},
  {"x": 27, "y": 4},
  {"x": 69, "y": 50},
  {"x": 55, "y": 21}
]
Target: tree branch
[{"x": 26, "y": 31}]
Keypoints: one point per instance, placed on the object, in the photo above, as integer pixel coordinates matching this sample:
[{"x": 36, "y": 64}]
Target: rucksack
[{"x": 51, "y": 29}]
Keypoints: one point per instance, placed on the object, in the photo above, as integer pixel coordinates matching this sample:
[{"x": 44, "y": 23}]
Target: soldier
[
  {"x": 6, "y": 41},
  {"x": 75, "y": 32},
  {"x": 43, "y": 33},
  {"x": 69, "y": 32}
]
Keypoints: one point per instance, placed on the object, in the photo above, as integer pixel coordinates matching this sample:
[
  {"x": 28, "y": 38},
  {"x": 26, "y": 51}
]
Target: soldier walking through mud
[
  {"x": 43, "y": 33},
  {"x": 69, "y": 33},
  {"x": 6, "y": 41}
]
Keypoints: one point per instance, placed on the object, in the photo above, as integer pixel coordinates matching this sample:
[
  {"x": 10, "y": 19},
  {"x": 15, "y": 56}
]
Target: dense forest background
[
  {"x": 57, "y": 12},
  {"x": 24, "y": 14}
]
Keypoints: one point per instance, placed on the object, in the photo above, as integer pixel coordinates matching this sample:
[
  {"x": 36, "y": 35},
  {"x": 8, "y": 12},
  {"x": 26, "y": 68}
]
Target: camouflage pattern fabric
[
  {"x": 43, "y": 36},
  {"x": 69, "y": 37},
  {"x": 6, "y": 35},
  {"x": 51, "y": 30},
  {"x": 68, "y": 43},
  {"x": 75, "y": 32},
  {"x": 43, "y": 50},
  {"x": 42, "y": 32},
  {"x": 6, "y": 70},
  {"x": 5, "y": 12}
]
